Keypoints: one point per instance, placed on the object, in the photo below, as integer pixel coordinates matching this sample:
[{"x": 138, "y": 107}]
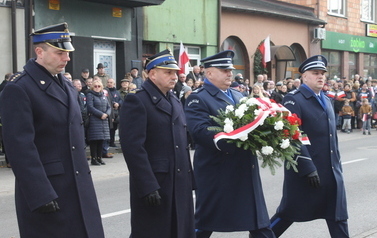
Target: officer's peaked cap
[
  {"x": 162, "y": 60},
  {"x": 56, "y": 36},
  {"x": 318, "y": 62},
  {"x": 222, "y": 60}
]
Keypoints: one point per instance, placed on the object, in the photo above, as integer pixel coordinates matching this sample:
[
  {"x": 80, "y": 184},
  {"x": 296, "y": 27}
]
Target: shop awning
[{"x": 282, "y": 53}]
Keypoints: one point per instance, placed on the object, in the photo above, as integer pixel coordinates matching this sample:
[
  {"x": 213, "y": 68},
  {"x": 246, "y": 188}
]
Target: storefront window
[
  {"x": 351, "y": 65},
  {"x": 333, "y": 64},
  {"x": 370, "y": 65}
]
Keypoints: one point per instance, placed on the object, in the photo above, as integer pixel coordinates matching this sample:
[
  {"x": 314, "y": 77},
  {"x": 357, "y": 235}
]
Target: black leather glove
[
  {"x": 49, "y": 207},
  {"x": 153, "y": 199},
  {"x": 313, "y": 179}
]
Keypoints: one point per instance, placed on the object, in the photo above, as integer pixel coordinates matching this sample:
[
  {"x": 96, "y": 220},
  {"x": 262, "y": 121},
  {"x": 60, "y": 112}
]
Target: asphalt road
[{"x": 111, "y": 181}]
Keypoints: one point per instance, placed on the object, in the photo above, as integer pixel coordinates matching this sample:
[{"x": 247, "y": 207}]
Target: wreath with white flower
[{"x": 266, "y": 128}]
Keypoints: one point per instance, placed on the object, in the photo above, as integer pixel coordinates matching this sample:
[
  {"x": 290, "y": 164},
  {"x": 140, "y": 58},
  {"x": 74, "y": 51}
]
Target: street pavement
[{"x": 111, "y": 182}]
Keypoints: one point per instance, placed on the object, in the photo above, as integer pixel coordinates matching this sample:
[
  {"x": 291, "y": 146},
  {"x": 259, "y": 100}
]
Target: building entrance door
[{"x": 104, "y": 52}]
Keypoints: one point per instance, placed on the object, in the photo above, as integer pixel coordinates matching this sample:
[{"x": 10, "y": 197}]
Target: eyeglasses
[{"x": 96, "y": 86}]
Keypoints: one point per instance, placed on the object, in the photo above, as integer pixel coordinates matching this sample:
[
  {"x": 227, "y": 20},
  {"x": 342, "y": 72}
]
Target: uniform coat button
[
  {"x": 178, "y": 170},
  {"x": 77, "y": 172},
  {"x": 73, "y": 148}
]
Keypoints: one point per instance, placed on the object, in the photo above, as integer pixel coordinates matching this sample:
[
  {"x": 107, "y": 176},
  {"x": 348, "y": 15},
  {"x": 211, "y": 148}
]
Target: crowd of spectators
[
  {"x": 90, "y": 92},
  {"x": 357, "y": 94},
  {"x": 354, "y": 101}
]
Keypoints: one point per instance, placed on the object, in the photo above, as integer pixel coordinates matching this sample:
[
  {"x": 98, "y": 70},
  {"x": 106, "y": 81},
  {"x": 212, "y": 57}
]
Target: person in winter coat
[
  {"x": 154, "y": 145},
  {"x": 229, "y": 195},
  {"x": 99, "y": 110},
  {"x": 347, "y": 114},
  {"x": 365, "y": 115},
  {"x": 317, "y": 190},
  {"x": 44, "y": 136}
]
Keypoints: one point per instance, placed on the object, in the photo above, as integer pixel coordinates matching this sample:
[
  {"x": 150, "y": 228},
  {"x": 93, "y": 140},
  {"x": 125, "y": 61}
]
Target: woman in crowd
[
  {"x": 98, "y": 131},
  {"x": 256, "y": 92},
  {"x": 279, "y": 94}
]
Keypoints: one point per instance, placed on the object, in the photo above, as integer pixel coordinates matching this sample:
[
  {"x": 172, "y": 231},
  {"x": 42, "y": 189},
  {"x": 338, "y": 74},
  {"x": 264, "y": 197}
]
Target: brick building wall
[{"x": 350, "y": 24}]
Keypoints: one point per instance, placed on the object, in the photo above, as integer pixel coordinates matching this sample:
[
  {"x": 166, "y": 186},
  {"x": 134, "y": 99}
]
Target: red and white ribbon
[{"x": 267, "y": 108}]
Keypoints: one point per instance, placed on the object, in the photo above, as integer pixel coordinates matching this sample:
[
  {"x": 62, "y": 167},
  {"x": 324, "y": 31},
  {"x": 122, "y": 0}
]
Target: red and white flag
[
  {"x": 331, "y": 94},
  {"x": 265, "y": 49},
  {"x": 341, "y": 94},
  {"x": 183, "y": 59}
]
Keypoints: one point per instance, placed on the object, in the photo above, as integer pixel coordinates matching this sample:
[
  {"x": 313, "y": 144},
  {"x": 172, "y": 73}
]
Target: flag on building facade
[
  {"x": 183, "y": 59},
  {"x": 265, "y": 49}
]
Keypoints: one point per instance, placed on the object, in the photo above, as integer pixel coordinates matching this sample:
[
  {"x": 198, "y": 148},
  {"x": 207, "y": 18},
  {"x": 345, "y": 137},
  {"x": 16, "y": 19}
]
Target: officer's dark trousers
[
  {"x": 337, "y": 229},
  {"x": 261, "y": 233}
]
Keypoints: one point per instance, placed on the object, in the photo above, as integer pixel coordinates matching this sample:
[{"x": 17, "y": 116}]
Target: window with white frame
[
  {"x": 336, "y": 7},
  {"x": 368, "y": 10}
]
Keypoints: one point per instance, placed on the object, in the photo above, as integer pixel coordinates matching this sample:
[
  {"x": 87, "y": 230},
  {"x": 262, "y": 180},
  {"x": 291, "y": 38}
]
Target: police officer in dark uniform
[
  {"x": 154, "y": 144},
  {"x": 229, "y": 194},
  {"x": 44, "y": 135},
  {"x": 317, "y": 190}
]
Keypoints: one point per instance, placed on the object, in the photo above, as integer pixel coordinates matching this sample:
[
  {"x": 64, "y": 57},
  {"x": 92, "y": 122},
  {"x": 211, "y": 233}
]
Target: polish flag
[
  {"x": 365, "y": 117},
  {"x": 331, "y": 94},
  {"x": 265, "y": 49},
  {"x": 341, "y": 94},
  {"x": 183, "y": 59}
]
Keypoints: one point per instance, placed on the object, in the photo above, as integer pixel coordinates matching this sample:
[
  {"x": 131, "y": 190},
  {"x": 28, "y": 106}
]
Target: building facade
[
  {"x": 194, "y": 23},
  {"x": 351, "y": 40},
  {"x": 247, "y": 23},
  {"x": 103, "y": 31}
]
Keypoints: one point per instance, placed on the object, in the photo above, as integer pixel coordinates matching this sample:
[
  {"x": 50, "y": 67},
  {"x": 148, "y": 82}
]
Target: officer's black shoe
[
  {"x": 94, "y": 162},
  {"x": 99, "y": 159}
]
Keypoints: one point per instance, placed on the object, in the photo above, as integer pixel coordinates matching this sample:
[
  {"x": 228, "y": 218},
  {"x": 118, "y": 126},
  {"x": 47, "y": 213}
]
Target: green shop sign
[{"x": 345, "y": 42}]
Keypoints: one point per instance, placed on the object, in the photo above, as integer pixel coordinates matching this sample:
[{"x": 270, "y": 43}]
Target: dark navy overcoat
[
  {"x": 98, "y": 105},
  {"x": 300, "y": 201},
  {"x": 44, "y": 136},
  {"x": 154, "y": 142},
  {"x": 229, "y": 194}
]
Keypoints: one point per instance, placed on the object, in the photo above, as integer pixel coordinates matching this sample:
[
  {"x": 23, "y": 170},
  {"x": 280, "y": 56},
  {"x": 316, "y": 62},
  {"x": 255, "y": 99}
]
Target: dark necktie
[{"x": 321, "y": 100}]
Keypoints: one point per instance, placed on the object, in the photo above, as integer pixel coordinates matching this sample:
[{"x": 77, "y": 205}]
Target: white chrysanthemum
[
  {"x": 257, "y": 111},
  {"x": 229, "y": 108},
  {"x": 244, "y": 99},
  {"x": 279, "y": 125},
  {"x": 228, "y": 121},
  {"x": 243, "y": 138},
  {"x": 240, "y": 111},
  {"x": 251, "y": 102},
  {"x": 228, "y": 128},
  {"x": 284, "y": 143},
  {"x": 267, "y": 150}
]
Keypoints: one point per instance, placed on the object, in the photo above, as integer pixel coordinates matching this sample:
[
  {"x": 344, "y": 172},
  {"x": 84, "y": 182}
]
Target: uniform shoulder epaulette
[
  {"x": 16, "y": 76},
  {"x": 198, "y": 90},
  {"x": 294, "y": 91},
  {"x": 138, "y": 90}
]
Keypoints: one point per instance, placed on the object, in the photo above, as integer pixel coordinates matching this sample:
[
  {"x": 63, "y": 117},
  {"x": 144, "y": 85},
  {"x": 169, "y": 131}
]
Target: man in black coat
[
  {"x": 317, "y": 190},
  {"x": 229, "y": 196},
  {"x": 154, "y": 143},
  {"x": 44, "y": 136}
]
